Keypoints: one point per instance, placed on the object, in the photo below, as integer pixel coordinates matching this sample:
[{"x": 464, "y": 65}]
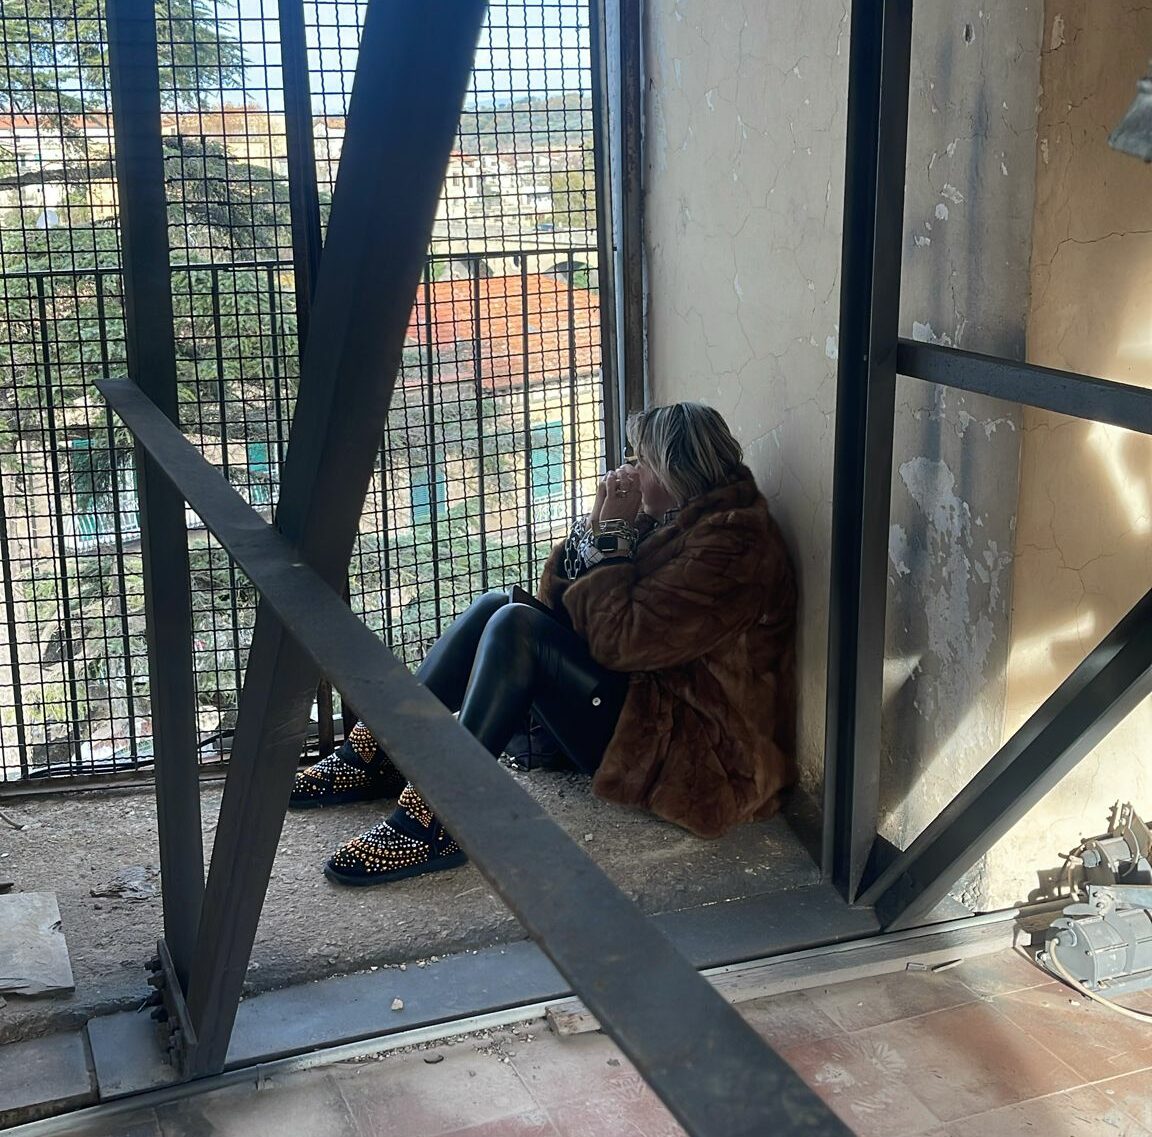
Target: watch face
[{"x": 607, "y": 542}]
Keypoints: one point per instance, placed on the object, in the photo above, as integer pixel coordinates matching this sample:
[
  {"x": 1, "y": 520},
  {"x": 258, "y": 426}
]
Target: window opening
[{"x": 498, "y": 413}]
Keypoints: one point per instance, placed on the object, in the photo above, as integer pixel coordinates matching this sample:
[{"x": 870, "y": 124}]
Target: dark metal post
[
  {"x": 880, "y": 56},
  {"x": 303, "y": 193},
  {"x": 401, "y": 125},
  {"x": 605, "y": 237},
  {"x": 135, "y": 86},
  {"x": 307, "y": 241},
  {"x": 1114, "y": 678},
  {"x": 632, "y": 204}
]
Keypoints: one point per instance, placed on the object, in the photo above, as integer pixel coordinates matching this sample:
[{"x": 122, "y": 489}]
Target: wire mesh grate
[{"x": 495, "y": 433}]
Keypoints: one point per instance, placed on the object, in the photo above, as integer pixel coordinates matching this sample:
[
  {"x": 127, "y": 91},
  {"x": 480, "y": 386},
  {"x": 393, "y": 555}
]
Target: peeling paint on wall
[
  {"x": 960, "y": 626},
  {"x": 956, "y": 460}
]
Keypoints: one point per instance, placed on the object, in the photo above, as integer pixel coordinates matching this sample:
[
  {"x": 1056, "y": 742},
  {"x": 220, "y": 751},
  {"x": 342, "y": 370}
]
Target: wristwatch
[{"x": 608, "y": 542}]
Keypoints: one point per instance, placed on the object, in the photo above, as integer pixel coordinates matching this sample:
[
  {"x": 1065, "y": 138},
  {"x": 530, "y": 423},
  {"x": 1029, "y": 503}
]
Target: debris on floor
[{"x": 136, "y": 882}]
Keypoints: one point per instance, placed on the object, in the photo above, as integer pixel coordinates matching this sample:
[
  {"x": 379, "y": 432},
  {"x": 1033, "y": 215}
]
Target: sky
[{"x": 528, "y": 48}]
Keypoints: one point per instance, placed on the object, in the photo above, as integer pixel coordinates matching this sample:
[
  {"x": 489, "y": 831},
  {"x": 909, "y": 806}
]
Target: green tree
[
  {"x": 56, "y": 55},
  {"x": 574, "y": 199},
  {"x": 68, "y": 474}
]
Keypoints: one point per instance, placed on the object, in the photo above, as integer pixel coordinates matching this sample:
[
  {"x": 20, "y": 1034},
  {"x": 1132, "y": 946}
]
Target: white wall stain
[
  {"x": 941, "y": 211},
  {"x": 992, "y": 424},
  {"x": 1057, "y": 41},
  {"x": 898, "y": 552},
  {"x": 925, "y": 334},
  {"x": 959, "y": 624},
  {"x": 951, "y": 193}
]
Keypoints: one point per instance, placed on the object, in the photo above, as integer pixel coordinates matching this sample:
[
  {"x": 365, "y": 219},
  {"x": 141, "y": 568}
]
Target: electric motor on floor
[{"x": 1104, "y": 941}]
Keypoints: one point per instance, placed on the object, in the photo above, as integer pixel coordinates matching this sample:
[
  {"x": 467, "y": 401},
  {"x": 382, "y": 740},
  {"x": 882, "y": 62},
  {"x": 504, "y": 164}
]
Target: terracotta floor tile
[
  {"x": 534, "y": 1124},
  {"x": 863, "y": 1080},
  {"x": 1000, "y": 974},
  {"x": 307, "y": 1102},
  {"x": 1138, "y": 1000},
  {"x": 970, "y": 1059},
  {"x": 640, "y": 1114},
  {"x": 888, "y": 998},
  {"x": 404, "y": 1094},
  {"x": 788, "y": 1020},
  {"x": 557, "y": 1070},
  {"x": 1133, "y": 1094},
  {"x": 1078, "y": 1113},
  {"x": 1094, "y": 1041}
]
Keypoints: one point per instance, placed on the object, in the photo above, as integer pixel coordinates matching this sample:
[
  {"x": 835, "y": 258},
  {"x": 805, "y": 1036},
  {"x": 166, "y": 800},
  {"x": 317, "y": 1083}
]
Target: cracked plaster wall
[
  {"x": 744, "y": 138},
  {"x": 744, "y": 183},
  {"x": 1083, "y": 547},
  {"x": 968, "y": 232}
]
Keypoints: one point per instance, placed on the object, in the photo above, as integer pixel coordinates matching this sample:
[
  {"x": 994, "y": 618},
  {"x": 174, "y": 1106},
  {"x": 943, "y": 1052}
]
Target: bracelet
[{"x": 618, "y": 526}]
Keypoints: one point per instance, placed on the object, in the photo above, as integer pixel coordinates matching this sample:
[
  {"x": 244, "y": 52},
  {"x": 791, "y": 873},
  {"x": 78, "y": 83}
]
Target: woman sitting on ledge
[{"x": 659, "y": 654}]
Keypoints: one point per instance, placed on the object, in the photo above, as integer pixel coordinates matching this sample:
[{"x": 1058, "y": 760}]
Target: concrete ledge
[{"x": 44, "y": 1076}]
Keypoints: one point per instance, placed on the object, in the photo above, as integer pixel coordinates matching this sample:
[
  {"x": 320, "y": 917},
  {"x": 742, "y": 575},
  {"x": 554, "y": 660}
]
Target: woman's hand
[
  {"x": 618, "y": 498},
  {"x": 597, "y": 506}
]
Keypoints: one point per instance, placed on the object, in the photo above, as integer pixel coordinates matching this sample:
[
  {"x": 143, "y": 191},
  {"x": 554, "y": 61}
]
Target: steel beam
[
  {"x": 605, "y": 234},
  {"x": 711, "y": 1069},
  {"x": 878, "y": 75},
  {"x": 634, "y": 356},
  {"x": 307, "y": 239},
  {"x": 150, "y": 335},
  {"x": 402, "y": 122},
  {"x": 1114, "y": 678},
  {"x": 303, "y": 195},
  {"x": 1081, "y": 396}
]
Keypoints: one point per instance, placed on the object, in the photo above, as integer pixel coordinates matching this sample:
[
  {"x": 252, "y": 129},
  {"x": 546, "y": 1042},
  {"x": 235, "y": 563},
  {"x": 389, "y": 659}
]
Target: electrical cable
[{"x": 1062, "y": 971}]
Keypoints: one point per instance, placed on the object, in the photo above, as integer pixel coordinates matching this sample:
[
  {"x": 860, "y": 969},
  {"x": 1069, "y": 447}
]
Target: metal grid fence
[{"x": 496, "y": 429}]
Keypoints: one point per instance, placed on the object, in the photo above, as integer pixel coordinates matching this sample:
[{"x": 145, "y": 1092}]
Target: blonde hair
[{"x": 688, "y": 447}]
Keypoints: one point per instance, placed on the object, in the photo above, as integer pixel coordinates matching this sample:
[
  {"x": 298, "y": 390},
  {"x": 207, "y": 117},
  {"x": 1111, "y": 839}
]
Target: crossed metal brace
[{"x": 712, "y": 1070}]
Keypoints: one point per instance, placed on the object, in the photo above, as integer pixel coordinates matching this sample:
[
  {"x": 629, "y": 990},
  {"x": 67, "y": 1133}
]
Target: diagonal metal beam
[
  {"x": 1082, "y": 396},
  {"x": 1113, "y": 679},
  {"x": 150, "y": 335},
  {"x": 712, "y": 1070},
  {"x": 402, "y": 121}
]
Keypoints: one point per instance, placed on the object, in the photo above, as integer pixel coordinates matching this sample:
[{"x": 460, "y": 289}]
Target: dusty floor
[
  {"x": 72, "y": 844},
  {"x": 988, "y": 1049}
]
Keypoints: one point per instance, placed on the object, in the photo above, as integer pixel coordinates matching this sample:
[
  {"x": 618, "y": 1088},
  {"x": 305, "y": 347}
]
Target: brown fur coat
[{"x": 704, "y": 619}]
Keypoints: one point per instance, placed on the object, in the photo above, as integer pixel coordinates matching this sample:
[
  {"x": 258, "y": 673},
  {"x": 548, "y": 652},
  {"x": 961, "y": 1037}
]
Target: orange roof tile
[{"x": 530, "y": 328}]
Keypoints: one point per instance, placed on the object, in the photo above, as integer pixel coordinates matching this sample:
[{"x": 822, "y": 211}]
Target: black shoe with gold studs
[
  {"x": 410, "y": 843},
  {"x": 358, "y": 771}
]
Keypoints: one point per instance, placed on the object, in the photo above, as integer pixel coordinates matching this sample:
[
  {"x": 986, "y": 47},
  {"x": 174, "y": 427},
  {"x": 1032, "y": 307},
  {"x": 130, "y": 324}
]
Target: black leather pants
[{"x": 501, "y": 659}]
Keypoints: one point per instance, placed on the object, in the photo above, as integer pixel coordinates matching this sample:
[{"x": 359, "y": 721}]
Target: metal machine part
[
  {"x": 1123, "y": 855},
  {"x": 1105, "y": 940}
]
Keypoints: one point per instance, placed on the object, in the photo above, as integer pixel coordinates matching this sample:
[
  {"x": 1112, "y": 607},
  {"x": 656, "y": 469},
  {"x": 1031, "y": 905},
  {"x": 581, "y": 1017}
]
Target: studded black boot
[
  {"x": 358, "y": 771},
  {"x": 410, "y": 843}
]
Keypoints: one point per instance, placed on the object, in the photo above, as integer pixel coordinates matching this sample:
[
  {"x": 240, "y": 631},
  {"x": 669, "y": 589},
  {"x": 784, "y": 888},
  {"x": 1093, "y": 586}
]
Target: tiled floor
[{"x": 986, "y": 1049}]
